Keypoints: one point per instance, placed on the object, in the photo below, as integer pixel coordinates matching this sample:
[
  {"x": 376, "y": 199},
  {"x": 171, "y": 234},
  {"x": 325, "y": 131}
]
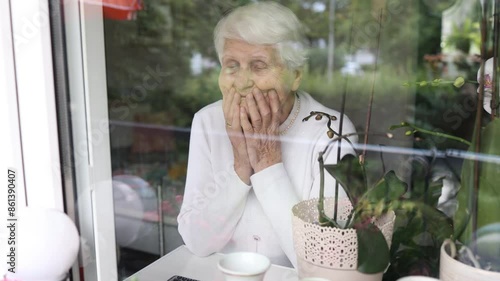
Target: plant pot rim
[{"x": 447, "y": 261}]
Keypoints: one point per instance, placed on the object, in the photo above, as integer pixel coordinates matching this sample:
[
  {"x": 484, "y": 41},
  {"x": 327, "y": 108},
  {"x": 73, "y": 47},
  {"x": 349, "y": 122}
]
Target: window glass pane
[
  {"x": 408, "y": 64},
  {"x": 161, "y": 69}
]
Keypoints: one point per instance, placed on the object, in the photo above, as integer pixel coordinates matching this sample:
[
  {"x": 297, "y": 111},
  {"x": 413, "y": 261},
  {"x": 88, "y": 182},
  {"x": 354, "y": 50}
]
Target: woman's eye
[
  {"x": 259, "y": 66},
  {"x": 231, "y": 68}
]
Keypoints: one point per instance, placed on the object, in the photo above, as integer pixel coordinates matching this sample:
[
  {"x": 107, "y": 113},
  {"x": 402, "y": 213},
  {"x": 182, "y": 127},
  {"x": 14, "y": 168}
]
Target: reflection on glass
[{"x": 162, "y": 68}]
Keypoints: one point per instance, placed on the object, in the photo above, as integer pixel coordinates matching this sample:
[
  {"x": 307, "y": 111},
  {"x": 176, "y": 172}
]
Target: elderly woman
[{"x": 251, "y": 157}]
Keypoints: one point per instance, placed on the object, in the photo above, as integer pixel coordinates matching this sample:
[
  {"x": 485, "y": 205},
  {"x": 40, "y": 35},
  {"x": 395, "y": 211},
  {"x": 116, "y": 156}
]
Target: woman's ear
[{"x": 297, "y": 79}]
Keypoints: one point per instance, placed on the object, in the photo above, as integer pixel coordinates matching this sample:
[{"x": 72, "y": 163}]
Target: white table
[{"x": 182, "y": 262}]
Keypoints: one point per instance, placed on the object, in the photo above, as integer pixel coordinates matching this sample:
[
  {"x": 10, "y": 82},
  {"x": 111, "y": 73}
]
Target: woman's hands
[
  {"x": 260, "y": 123},
  {"x": 231, "y": 108},
  {"x": 253, "y": 130}
]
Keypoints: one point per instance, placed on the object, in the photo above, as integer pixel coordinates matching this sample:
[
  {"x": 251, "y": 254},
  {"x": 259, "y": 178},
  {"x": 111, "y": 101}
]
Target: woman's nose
[{"x": 243, "y": 81}]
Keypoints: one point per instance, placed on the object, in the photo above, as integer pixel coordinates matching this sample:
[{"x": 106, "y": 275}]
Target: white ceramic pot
[
  {"x": 310, "y": 271},
  {"x": 326, "y": 252},
  {"x": 451, "y": 269}
]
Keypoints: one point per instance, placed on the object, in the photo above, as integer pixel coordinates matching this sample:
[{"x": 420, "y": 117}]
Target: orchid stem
[
  {"x": 473, "y": 203},
  {"x": 370, "y": 105},
  {"x": 437, "y": 134},
  {"x": 323, "y": 218}
]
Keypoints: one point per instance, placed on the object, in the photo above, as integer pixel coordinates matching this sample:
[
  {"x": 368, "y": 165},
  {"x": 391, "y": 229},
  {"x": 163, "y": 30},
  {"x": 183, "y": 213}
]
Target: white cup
[{"x": 244, "y": 266}]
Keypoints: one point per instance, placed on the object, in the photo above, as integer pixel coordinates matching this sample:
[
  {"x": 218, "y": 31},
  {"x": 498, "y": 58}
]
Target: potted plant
[
  {"x": 474, "y": 253},
  {"x": 342, "y": 246},
  {"x": 351, "y": 238}
]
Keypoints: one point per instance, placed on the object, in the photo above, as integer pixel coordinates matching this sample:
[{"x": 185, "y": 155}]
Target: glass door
[{"x": 139, "y": 70}]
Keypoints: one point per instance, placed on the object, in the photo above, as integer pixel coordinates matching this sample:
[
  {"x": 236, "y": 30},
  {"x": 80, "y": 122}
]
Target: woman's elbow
[
  {"x": 199, "y": 249},
  {"x": 195, "y": 239}
]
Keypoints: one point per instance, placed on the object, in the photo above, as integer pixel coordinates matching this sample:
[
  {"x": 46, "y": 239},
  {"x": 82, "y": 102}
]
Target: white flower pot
[
  {"x": 451, "y": 269},
  {"x": 328, "y": 252}
]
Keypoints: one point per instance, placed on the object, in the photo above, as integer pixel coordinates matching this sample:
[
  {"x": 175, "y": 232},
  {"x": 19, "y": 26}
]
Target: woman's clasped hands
[{"x": 252, "y": 124}]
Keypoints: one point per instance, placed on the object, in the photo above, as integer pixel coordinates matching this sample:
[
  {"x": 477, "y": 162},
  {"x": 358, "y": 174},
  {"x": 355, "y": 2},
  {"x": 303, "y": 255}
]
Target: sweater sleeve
[
  {"x": 276, "y": 195},
  {"x": 213, "y": 202}
]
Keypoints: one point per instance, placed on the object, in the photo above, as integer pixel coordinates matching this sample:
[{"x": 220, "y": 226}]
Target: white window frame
[
  {"x": 84, "y": 31},
  {"x": 33, "y": 91},
  {"x": 10, "y": 142},
  {"x": 29, "y": 120}
]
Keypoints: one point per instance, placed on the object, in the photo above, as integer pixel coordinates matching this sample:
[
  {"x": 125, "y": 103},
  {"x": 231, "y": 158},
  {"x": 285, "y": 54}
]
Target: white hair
[{"x": 264, "y": 23}]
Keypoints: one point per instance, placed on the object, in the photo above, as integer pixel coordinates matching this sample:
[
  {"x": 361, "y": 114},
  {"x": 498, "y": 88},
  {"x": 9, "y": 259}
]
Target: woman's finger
[
  {"x": 245, "y": 123},
  {"x": 235, "y": 119},
  {"x": 234, "y": 111},
  {"x": 227, "y": 101},
  {"x": 253, "y": 111},
  {"x": 275, "y": 108},
  {"x": 264, "y": 108}
]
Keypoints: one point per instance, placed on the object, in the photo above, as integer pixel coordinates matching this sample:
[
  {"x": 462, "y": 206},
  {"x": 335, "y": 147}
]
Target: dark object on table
[{"x": 180, "y": 278}]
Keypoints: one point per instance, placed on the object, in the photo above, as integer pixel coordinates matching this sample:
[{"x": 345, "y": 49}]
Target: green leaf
[
  {"x": 433, "y": 193},
  {"x": 419, "y": 232},
  {"x": 422, "y": 188},
  {"x": 489, "y": 189},
  {"x": 435, "y": 221},
  {"x": 373, "y": 251},
  {"x": 351, "y": 175},
  {"x": 389, "y": 188}
]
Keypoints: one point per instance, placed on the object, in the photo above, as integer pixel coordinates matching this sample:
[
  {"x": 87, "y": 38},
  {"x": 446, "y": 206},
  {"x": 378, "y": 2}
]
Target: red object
[{"x": 121, "y": 9}]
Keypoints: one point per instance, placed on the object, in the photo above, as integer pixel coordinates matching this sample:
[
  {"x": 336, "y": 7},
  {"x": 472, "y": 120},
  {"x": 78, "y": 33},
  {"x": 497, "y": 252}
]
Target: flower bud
[
  {"x": 459, "y": 82},
  {"x": 330, "y": 134}
]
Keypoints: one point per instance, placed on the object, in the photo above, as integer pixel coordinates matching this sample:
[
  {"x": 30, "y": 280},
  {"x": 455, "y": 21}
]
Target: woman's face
[{"x": 246, "y": 66}]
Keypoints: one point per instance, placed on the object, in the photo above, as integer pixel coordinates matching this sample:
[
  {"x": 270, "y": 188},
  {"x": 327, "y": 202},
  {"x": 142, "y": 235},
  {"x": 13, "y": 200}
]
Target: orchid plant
[
  {"x": 477, "y": 219},
  {"x": 370, "y": 201}
]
